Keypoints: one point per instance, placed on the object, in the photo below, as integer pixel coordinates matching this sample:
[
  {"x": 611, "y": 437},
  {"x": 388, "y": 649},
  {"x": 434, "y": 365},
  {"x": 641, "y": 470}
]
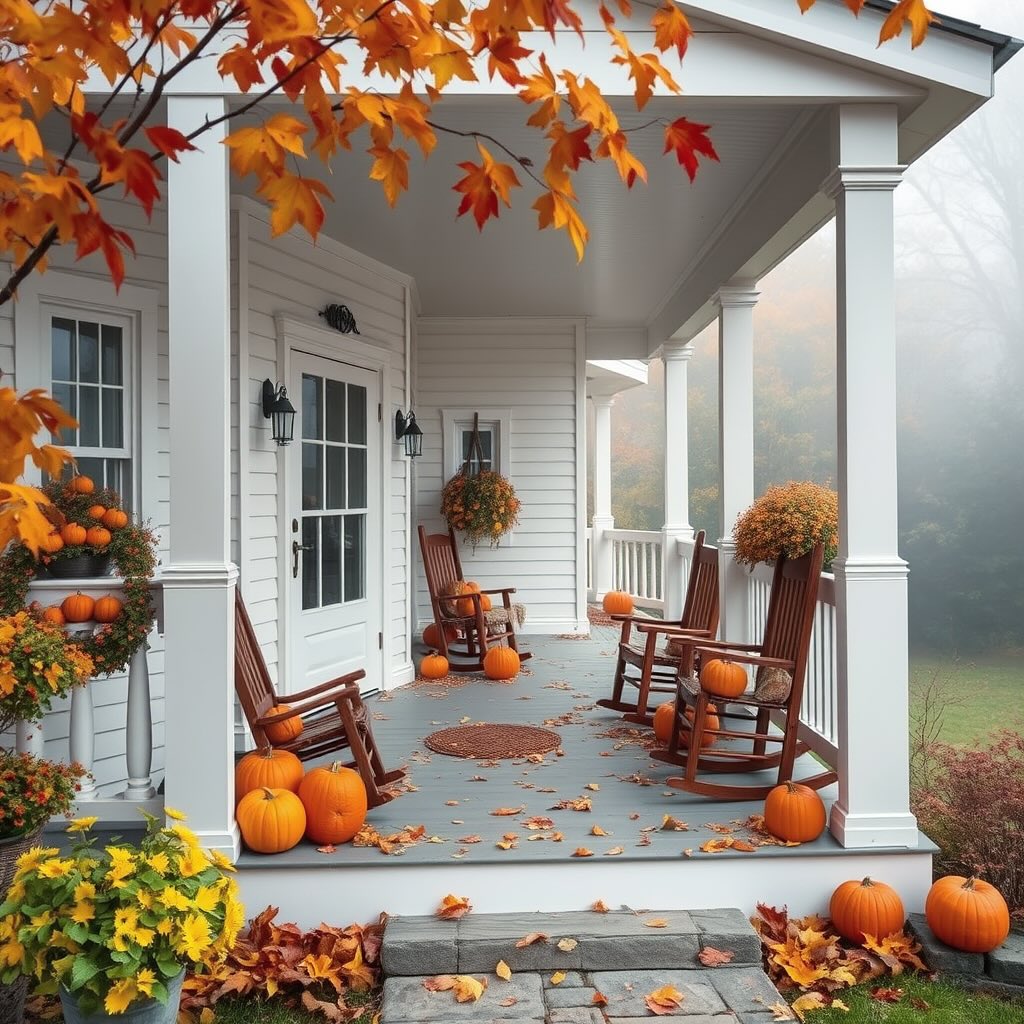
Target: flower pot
[
  {"x": 79, "y": 567},
  {"x": 147, "y": 1012},
  {"x": 12, "y": 997}
]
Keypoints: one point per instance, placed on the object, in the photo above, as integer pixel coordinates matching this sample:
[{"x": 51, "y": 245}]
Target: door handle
[{"x": 296, "y": 548}]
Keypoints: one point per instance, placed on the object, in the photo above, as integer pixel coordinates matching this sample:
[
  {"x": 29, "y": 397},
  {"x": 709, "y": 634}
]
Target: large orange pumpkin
[
  {"x": 78, "y": 607},
  {"x": 335, "y": 800},
  {"x": 73, "y": 534},
  {"x": 97, "y": 536},
  {"x": 107, "y": 609},
  {"x": 434, "y": 666},
  {"x": 432, "y": 638},
  {"x": 723, "y": 678},
  {"x": 81, "y": 485},
  {"x": 115, "y": 518},
  {"x": 663, "y": 718},
  {"x": 501, "y": 663},
  {"x": 794, "y": 813},
  {"x": 473, "y": 586},
  {"x": 617, "y": 602},
  {"x": 282, "y": 732},
  {"x": 485, "y": 602},
  {"x": 55, "y": 615},
  {"x": 97, "y": 511},
  {"x": 52, "y": 543},
  {"x": 864, "y": 908},
  {"x": 271, "y": 820},
  {"x": 267, "y": 769},
  {"x": 967, "y": 913}
]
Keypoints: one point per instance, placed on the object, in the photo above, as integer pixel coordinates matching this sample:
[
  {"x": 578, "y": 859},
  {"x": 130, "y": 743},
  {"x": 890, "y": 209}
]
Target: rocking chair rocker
[{"x": 781, "y": 662}]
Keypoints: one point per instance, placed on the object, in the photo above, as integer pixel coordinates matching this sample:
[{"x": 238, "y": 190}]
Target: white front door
[{"x": 334, "y": 527}]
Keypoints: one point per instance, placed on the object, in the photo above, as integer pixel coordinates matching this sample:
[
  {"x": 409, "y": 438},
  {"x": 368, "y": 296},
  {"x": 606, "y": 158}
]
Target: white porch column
[
  {"x": 735, "y": 303},
  {"x": 199, "y": 581},
  {"x": 871, "y": 579},
  {"x": 602, "y": 577},
  {"x": 676, "y": 358}
]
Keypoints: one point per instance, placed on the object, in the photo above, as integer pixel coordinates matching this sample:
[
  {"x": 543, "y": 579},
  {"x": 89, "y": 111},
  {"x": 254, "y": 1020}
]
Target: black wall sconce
[
  {"x": 280, "y": 411},
  {"x": 408, "y": 430}
]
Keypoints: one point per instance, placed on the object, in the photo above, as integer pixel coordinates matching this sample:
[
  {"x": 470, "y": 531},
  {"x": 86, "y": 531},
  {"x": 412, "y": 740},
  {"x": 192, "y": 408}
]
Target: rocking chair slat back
[
  {"x": 700, "y": 608},
  {"x": 441, "y": 563},
  {"x": 252, "y": 680}
]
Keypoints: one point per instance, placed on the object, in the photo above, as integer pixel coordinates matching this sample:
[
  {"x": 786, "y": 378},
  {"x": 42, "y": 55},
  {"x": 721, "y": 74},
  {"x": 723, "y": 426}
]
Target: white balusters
[
  {"x": 82, "y": 737},
  {"x": 30, "y": 738},
  {"x": 139, "y": 730}
]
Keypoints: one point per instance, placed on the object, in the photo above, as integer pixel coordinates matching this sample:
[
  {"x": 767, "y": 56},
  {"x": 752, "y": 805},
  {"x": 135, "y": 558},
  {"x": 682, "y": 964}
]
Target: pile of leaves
[
  {"x": 808, "y": 955},
  {"x": 314, "y": 970}
]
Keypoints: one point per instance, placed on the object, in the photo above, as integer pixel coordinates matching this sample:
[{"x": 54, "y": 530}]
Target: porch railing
[{"x": 637, "y": 566}]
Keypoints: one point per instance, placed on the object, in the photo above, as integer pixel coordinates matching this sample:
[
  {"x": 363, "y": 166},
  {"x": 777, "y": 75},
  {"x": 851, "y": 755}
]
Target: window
[
  {"x": 495, "y": 426},
  {"x": 90, "y": 372},
  {"x": 488, "y": 443}
]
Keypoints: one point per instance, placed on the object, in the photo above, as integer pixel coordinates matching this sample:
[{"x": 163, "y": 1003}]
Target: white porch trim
[{"x": 602, "y": 520}]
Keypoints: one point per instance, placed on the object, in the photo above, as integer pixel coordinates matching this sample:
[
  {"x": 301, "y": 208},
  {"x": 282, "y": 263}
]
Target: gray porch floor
[{"x": 455, "y": 798}]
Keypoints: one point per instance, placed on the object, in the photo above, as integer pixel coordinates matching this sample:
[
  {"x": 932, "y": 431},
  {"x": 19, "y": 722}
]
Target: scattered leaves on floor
[
  {"x": 468, "y": 989},
  {"x": 656, "y": 922},
  {"x": 670, "y": 824},
  {"x": 599, "y": 907},
  {"x": 711, "y": 957},
  {"x": 508, "y": 812},
  {"x": 558, "y": 977},
  {"x": 529, "y": 940},
  {"x": 582, "y": 851},
  {"x": 600, "y": 999},
  {"x": 567, "y": 945},
  {"x": 664, "y": 1000},
  {"x": 615, "y": 851},
  {"x": 538, "y": 821},
  {"x": 394, "y": 844},
  {"x": 582, "y": 803},
  {"x": 598, "y": 831},
  {"x": 453, "y": 907},
  {"x": 886, "y": 995},
  {"x": 503, "y": 970}
]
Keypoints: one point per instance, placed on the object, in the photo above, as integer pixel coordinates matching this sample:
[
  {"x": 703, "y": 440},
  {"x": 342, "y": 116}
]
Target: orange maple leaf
[
  {"x": 689, "y": 141},
  {"x": 664, "y": 1000},
  {"x": 913, "y": 11},
  {"x": 671, "y": 28},
  {"x": 169, "y": 141},
  {"x": 481, "y": 188},
  {"x": 294, "y": 200},
  {"x": 555, "y": 210},
  {"x": 453, "y": 907},
  {"x": 391, "y": 169}
]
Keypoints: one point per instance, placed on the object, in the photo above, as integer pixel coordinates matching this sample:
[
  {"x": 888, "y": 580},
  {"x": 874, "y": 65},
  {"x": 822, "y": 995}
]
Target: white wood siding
[{"x": 529, "y": 366}]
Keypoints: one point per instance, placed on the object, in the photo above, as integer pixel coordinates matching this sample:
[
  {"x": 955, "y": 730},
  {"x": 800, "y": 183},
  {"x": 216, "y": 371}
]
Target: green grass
[
  {"x": 946, "y": 1004},
  {"x": 276, "y": 1010},
  {"x": 990, "y": 691}
]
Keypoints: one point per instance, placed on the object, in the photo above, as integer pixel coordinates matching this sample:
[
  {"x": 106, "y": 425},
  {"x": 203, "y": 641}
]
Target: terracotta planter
[{"x": 148, "y": 1012}]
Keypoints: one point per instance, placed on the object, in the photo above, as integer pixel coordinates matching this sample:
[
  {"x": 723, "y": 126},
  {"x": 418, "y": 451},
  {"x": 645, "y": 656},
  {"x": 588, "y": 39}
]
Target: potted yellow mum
[{"x": 113, "y": 929}]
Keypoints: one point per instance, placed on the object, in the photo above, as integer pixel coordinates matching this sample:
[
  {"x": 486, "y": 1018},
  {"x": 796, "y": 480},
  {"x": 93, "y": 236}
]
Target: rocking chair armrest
[
  {"x": 333, "y": 684},
  {"x": 758, "y": 660},
  {"x": 672, "y": 630},
  {"x": 500, "y": 590},
  {"x": 301, "y": 708},
  {"x": 642, "y": 620},
  {"x": 724, "y": 646}
]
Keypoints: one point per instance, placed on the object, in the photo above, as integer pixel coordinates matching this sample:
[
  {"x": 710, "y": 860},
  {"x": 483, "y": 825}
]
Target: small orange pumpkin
[
  {"x": 81, "y": 485},
  {"x": 73, "y": 534},
  {"x": 501, "y": 663},
  {"x": 864, "y": 908},
  {"x": 271, "y": 820},
  {"x": 77, "y": 607},
  {"x": 464, "y": 605},
  {"x": 794, "y": 813},
  {"x": 97, "y": 537},
  {"x": 663, "y": 718},
  {"x": 473, "y": 586},
  {"x": 335, "y": 800},
  {"x": 107, "y": 609},
  {"x": 967, "y": 913},
  {"x": 723, "y": 678},
  {"x": 115, "y": 518},
  {"x": 617, "y": 602},
  {"x": 97, "y": 512},
  {"x": 282, "y": 732},
  {"x": 267, "y": 769},
  {"x": 432, "y": 638},
  {"x": 52, "y": 543},
  {"x": 55, "y": 615},
  {"x": 485, "y": 602},
  {"x": 434, "y": 666}
]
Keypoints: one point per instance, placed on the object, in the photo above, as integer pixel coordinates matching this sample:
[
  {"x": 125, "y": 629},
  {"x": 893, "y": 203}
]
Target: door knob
[{"x": 296, "y": 548}]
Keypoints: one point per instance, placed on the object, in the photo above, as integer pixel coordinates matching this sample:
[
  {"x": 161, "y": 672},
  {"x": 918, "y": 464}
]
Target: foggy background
[{"x": 960, "y": 276}]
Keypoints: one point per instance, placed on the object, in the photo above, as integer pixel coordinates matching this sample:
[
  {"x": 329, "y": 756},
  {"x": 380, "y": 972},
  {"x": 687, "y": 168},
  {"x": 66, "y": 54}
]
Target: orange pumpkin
[
  {"x": 663, "y": 718},
  {"x": 473, "y": 586},
  {"x": 271, "y": 820},
  {"x": 463, "y": 606},
  {"x": 335, "y": 800},
  {"x": 723, "y": 678},
  {"x": 501, "y": 663},
  {"x": 967, "y": 913},
  {"x": 432, "y": 638},
  {"x": 794, "y": 813},
  {"x": 434, "y": 666},
  {"x": 107, "y": 609},
  {"x": 617, "y": 602},
  {"x": 282, "y": 732},
  {"x": 77, "y": 607},
  {"x": 97, "y": 537},
  {"x": 73, "y": 534},
  {"x": 267, "y": 769},
  {"x": 52, "y": 543},
  {"x": 114, "y": 518},
  {"x": 485, "y": 602},
  {"x": 81, "y": 485},
  {"x": 864, "y": 908},
  {"x": 97, "y": 511},
  {"x": 55, "y": 615}
]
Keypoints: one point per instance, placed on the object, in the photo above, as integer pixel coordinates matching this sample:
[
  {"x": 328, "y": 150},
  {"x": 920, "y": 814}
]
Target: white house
[{"x": 811, "y": 120}]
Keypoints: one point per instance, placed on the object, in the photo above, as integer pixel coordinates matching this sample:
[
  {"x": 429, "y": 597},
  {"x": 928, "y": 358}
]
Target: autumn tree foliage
[{"x": 302, "y": 49}]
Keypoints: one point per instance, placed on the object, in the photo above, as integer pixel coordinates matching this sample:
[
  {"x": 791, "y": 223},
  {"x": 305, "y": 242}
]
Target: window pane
[
  {"x": 94, "y": 469},
  {"x": 335, "y": 477},
  {"x": 335, "y": 402},
  {"x": 311, "y": 403},
  {"x": 89, "y": 417},
  {"x": 331, "y": 529},
  {"x": 356, "y": 414},
  {"x": 111, "y": 355},
  {"x": 355, "y": 557},
  {"x": 62, "y": 334},
  {"x": 66, "y": 394},
  {"x": 310, "y": 563},
  {"x": 113, "y": 418},
  {"x": 357, "y": 478},
  {"x": 312, "y": 476},
  {"x": 119, "y": 477},
  {"x": 88, "y": 352}
]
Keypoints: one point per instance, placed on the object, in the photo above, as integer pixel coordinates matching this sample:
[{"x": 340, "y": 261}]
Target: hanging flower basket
[{"x": 788, "y": 519}]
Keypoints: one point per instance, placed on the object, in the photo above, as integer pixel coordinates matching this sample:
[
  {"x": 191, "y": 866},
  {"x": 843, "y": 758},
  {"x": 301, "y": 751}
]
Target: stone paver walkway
[{"x": 618, "y": 954}]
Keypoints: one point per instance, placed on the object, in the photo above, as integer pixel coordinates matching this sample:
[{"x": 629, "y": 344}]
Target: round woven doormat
[{"x": 487, "y": 740}]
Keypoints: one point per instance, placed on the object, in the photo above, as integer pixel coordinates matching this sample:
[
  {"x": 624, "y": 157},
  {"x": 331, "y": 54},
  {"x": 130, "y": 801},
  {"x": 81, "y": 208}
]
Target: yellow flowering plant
[
  {"x": 788, "y": 519},
  {"x": 113, "y": 926},
  {"x": 484, "y": 506}
]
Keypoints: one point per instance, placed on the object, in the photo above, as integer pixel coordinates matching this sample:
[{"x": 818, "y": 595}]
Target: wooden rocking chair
[
  {"x": 475, "y": 633},
  {"x": 781, "y": 662},
  {"x": 333, "y": 715},
  {"x": 642, "y": 665}
]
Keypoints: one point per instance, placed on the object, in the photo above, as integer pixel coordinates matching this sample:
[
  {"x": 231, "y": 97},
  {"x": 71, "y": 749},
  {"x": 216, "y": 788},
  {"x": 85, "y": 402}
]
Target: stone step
[{"x": 616, "y": 941}]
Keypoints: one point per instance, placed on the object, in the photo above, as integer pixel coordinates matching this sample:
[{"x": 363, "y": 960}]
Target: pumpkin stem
[
  {"x": 867, "y": 883},
  {"x": 267, "y": 752},
  {"x": 269, "y": 793},
  {"x": 336, "y": 766},
  {"x": 969, "y": 884},
  {"x": 791, "y": 785}
]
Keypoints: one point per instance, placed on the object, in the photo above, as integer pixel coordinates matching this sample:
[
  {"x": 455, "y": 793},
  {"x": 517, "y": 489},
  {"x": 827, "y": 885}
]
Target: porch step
[{"x": 620, "y": 940}]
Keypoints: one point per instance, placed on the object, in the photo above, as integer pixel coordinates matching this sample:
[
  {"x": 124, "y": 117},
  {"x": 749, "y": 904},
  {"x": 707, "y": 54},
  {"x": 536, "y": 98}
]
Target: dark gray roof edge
[{"x": 1003, "y": 46}]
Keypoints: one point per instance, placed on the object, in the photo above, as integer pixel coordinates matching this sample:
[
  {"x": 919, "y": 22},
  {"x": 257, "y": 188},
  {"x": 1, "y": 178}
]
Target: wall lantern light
[
  {"x": 407, "y": 429},
  {"x": 280, "y": 411}
]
